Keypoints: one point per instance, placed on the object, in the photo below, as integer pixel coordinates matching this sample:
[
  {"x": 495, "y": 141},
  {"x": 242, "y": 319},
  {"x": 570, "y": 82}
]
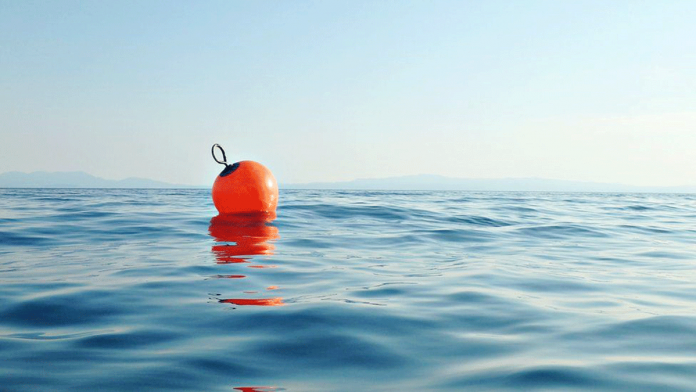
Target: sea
[{"x": 146, "y": 290}]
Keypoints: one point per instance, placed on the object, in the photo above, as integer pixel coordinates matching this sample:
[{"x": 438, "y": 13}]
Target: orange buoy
[{"x": 246, "y": 187}]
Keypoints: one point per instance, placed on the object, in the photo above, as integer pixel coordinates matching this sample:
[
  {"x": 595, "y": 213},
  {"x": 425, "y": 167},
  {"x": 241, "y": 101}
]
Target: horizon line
[{"x": 324, "y": 184}]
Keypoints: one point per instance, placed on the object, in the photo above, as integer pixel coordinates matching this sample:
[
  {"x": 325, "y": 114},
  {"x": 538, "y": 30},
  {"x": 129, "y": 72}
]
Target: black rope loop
[{"x": 224, "y": 158}]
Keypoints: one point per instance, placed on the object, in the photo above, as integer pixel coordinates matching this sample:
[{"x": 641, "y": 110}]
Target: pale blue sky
[{"x": 336, "y": 90}]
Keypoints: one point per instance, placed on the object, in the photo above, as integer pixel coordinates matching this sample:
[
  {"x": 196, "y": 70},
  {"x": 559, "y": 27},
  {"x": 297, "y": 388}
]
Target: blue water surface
[{"x": 116, "y": 290}]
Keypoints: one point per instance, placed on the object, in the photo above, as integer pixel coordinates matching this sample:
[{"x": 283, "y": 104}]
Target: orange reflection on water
[
  {"x": 259, "y": 389},
  {"x": 244, "y": 236},
  {"x": 254, "y": 301},
  {"x": 249, "y": 233}
]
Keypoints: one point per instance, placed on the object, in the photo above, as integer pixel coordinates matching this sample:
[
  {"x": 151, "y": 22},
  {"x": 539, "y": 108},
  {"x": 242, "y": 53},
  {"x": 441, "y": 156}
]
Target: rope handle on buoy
[{"x": 224, "y": 158}]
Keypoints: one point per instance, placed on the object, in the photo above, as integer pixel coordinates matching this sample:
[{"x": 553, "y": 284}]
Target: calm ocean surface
[{"x": 117, "y": 290}]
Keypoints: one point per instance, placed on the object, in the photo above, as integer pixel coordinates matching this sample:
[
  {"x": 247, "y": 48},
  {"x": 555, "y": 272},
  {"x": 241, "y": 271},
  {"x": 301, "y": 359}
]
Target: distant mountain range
[
  {"x": 75, "y": 180},
  {"x": 414, "y": 182},
  {"x": 435, "y": 182}
]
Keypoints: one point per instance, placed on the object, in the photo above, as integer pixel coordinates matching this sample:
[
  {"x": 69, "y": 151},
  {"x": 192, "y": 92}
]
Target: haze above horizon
[
  {"x": 334, "y": 91},
  {"x": 418, "y": 182}
]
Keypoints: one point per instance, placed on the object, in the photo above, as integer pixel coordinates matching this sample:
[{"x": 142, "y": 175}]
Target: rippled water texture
[{"x": 114, "y": 290}]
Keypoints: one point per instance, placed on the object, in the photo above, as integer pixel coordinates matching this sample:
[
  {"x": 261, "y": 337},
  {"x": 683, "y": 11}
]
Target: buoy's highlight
[{"x": 245, "y": 187}]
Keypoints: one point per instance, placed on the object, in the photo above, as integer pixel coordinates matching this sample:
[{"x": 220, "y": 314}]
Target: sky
[{"x": 336, "y": 90}]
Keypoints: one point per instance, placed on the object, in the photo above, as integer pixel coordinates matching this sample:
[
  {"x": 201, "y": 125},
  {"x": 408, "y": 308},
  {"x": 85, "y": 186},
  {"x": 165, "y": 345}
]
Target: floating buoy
[{"x": 246, "y": 187}]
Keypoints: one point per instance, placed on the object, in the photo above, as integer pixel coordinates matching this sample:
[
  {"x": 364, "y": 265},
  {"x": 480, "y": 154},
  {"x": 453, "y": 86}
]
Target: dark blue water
[{"x": 115, "y": 290}]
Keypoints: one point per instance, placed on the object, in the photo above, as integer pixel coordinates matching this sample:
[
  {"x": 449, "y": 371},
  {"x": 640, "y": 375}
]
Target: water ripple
[{"x": 115, "y": 290}]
